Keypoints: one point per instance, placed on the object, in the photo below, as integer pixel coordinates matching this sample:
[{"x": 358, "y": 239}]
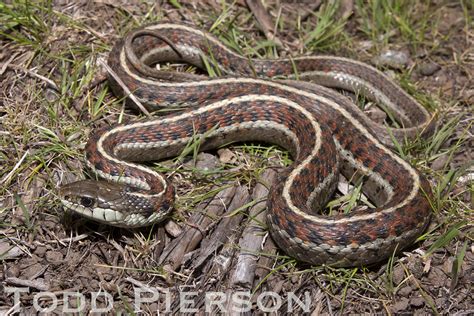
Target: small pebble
[
  {"x": 366, "y": 45},
  {"x": 398, "y": 274},
  {"x": 8, "y": 251},
  {"x": 377, "y": 115},
  {"x": 440, "y": 162},
  {"x": 51, "y": 95},
  {"x": 428, "y": 69},
  {"x": 467, "y": 96},
  {"x": 226, "y": 156},
  {"x": 173, "y": 228},
  {"x": 417, "y": 301},
  {"x": 393, "y": 59},
  {"x": 54, "y": 257},
  {"x": 40, "y": 251},
  {"x": 400, "y": 305},
  {"x": 405, "y": 291},
  {"x": 448, "y": 265}
]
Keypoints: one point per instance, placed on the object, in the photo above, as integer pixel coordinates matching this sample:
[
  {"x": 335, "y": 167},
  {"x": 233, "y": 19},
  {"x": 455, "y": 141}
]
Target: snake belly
[{"x": 324, "y": 132}]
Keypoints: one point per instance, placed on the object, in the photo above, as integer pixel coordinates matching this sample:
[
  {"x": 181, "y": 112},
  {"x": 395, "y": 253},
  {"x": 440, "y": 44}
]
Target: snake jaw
[{"x": 107, "y": 216}]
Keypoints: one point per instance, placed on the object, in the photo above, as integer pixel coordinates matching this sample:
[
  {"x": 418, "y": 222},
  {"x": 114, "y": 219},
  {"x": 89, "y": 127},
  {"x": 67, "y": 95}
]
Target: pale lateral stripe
[
  {"x": 212, "y": 106},
  {"x": 191, "y": 50},
  {"x": 123, "y": 179},
  {"x": 413, "y": 174},
  {"x": 357, "y": 84},
  {"x": 231, "y": 52},
  {"x": 223, "y": 130},
  {"x": 183, "y": 49},
  {"x": 372, "y": 174},
  {"x": 228, "y": 129},
  {"x": 223, "y": 103},
  {"x": 216, "y": 105},
  {"x": 319, "y": 188}
]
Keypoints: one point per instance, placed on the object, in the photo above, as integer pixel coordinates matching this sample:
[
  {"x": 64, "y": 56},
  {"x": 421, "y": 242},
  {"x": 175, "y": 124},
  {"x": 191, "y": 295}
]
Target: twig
[
  {"x": 126, "y": 91},
  {"x": 17, "y": 165},
  {"x": 63, "y": 241},
  {"x": 264, "y": 20},
  {"x": 7, "y": 63},
  {"x": 42, "y": 286},
  {"x": 31, "y": 73},
  {"x": 146, "y": 287}
]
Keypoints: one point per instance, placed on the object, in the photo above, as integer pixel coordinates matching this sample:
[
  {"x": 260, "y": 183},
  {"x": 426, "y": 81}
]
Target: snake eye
[{"x": 87, "y": 201}]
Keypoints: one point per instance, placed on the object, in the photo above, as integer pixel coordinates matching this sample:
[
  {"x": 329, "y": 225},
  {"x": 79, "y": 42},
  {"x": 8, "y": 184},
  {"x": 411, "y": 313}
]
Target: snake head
[{"x": 111, "y": 203}]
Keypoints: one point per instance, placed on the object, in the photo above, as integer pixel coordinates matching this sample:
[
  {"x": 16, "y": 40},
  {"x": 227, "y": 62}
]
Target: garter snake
[{"x": 324, "y": 132}]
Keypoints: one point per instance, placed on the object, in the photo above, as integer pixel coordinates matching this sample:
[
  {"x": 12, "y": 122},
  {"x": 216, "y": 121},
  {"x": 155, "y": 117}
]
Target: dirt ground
[{"x": 53, "y": 92}]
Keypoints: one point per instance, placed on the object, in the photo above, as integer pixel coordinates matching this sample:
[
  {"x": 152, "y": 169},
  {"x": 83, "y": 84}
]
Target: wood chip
[
  {"x": 174, "y": 252},
  {"x": 228, "y": 223}
]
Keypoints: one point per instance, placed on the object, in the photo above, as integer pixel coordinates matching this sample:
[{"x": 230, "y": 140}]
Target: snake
[{"x": 291, "y": 102}]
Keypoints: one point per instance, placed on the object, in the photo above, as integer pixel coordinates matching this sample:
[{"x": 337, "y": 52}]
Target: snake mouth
[
  {"x": 109, "y": 216},
  {"x": 98, "y": 201},
  {"x": 104, "y": 215}
]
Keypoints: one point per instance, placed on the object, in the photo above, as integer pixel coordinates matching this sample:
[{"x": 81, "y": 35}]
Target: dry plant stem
[
  {"x": 161, "y": 236},
  {"x": 36, "y": 284},
  {"x": 264, "y": 20},
  {"x": 127, "y": 92},
  {"x": 253, "y": 235},
  {"x": 212, "y": 273},
  {"x": 31, "y": 73}
]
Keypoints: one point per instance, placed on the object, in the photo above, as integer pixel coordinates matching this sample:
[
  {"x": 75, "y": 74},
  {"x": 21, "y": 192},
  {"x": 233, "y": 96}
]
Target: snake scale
[{"x": 324, "y": 132}]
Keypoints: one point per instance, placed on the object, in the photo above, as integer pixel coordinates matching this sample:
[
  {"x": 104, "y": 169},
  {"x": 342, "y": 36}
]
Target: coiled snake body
[{"x": 324, "y": 132}]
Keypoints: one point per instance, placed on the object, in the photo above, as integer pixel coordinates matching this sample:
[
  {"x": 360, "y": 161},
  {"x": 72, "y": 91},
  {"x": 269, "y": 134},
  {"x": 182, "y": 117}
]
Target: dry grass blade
[{"x": 264, "y": 20}]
